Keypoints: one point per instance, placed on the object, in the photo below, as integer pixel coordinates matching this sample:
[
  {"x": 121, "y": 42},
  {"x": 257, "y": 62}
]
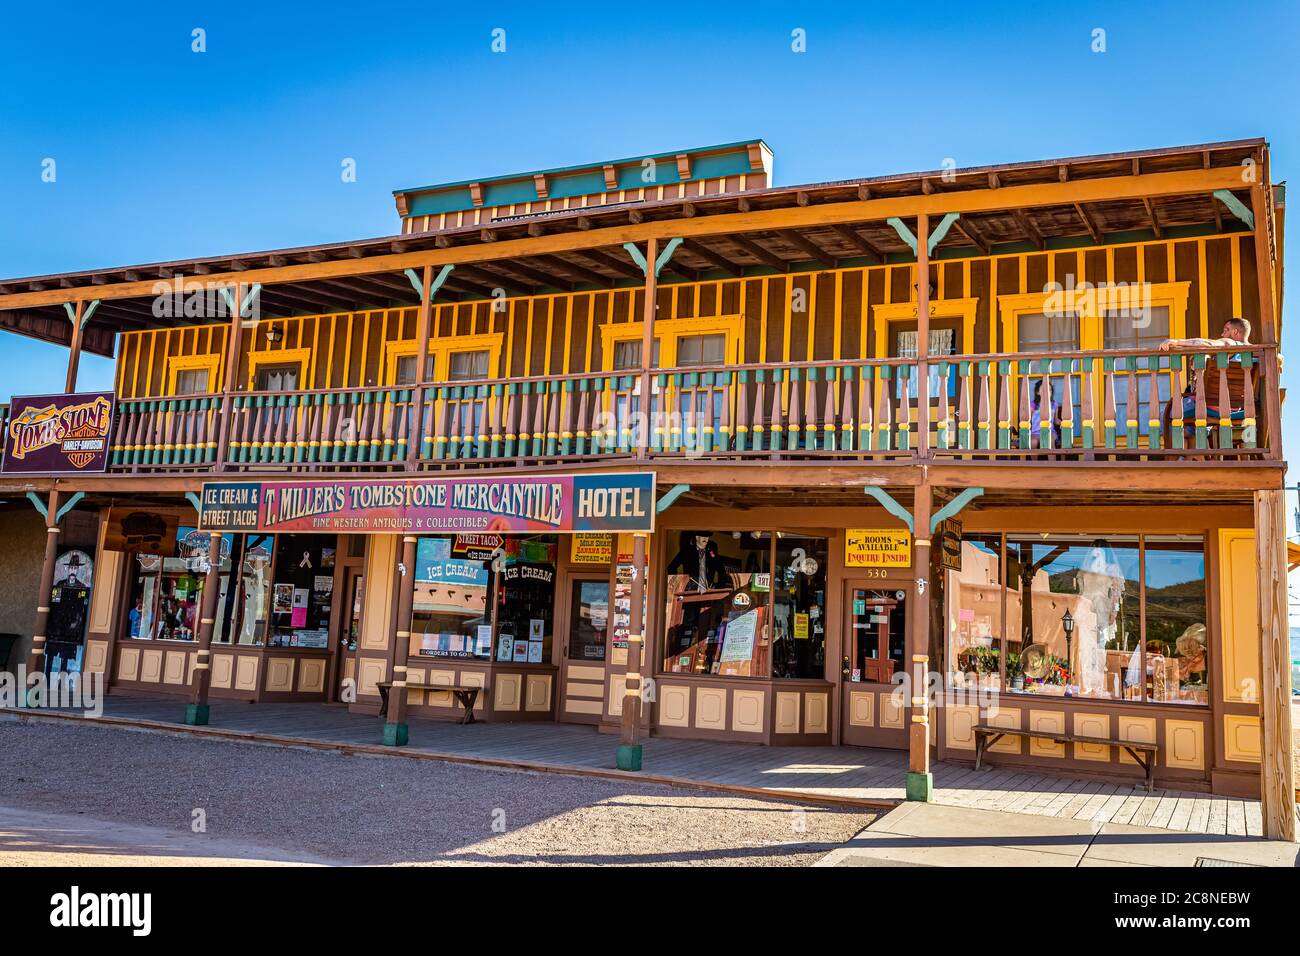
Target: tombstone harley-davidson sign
[{"x": 58, "y": 434}]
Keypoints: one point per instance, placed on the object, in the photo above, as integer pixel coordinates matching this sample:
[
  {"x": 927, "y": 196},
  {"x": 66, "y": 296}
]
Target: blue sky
[{"x": 165, "y": 153}]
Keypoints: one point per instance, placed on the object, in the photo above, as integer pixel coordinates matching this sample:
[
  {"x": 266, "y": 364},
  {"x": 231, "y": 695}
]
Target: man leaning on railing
[{"x": 1235, "y": 332}]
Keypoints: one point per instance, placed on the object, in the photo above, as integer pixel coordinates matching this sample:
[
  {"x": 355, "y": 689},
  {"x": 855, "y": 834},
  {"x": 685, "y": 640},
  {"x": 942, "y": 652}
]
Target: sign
[
  {"x": 58, "y": 434},
  {"x": 592, "y": 548},
  {"x": 135, "y": 530},
  {"x": 556, "y": 503},
  {"x": 950, "y": 544},
  {"x": 434, "y": 570},
  {"x": 476, "y": 547},
  {"x": 877, "y": 548}
]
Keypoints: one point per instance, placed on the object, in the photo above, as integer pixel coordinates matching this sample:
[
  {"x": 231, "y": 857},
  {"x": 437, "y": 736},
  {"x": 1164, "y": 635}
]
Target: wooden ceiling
[{"x": 719, "y": 255}]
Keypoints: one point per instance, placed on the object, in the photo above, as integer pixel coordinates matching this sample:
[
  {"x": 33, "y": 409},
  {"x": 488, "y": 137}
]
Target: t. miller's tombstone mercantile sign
[
  {"x": 58, "y": 434},
  {"x": 560, "y": 503}
]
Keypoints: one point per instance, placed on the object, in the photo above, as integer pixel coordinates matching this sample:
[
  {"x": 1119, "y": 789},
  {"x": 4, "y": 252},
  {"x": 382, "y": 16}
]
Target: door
[
  {"x": 354, "y": 587},
  {"x": 585, "y": 652},
  {"x": 875, "y": 634}
]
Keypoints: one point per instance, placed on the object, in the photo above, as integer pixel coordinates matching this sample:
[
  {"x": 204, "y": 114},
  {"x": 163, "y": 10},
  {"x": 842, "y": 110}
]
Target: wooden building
[{"x": 924, "y": 423}]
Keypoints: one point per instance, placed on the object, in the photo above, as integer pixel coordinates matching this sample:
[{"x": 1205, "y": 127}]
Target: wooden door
[{"x": 875, "y": 630}]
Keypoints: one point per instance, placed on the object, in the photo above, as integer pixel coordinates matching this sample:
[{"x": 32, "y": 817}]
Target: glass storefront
[
  {"x": 746, "y": 604},
  {"x": 302, "y": 596},
  {"x": 484, "y": 597},
  {"x": 1117, "y": 617}
]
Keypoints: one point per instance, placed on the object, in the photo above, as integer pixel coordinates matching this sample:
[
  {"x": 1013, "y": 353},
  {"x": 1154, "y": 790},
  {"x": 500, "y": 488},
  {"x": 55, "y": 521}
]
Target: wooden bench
[
  {"x": 986, "y": 735},
  {"x": 465, "y": 695}
]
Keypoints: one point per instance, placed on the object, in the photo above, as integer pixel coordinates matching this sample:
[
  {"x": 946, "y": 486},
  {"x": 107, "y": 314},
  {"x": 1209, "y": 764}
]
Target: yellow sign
[
  {"x": 877, "y": 548},
  {"x": 592, "y": 548}
]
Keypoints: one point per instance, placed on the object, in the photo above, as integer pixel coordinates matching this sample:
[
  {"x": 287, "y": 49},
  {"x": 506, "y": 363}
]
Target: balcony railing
[{"x": 1061, "y": 406}]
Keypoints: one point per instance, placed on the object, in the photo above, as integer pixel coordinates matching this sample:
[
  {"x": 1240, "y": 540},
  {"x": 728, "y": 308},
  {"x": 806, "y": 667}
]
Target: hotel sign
[
  {"x": 877, "y": 548},
  {"x": 58, "y": 434},
  {"x": 556, "y": 503}
]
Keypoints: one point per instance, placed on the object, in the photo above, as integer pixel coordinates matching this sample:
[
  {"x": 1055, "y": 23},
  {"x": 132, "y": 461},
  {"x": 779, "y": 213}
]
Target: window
[
  {"x": 276, "y": 378},
  {"x": 302, "y": 597},
  {"x": 799, "y": 607},
  {"x": 468, "y": 366},
  {"x": 589, "y": 621},
  {"x": 627, "y": 355},
  {"x": 467, "y": 608},
  {"x": 405, "y": 370},
  {"x": 1048, "y": 333},
  {"x": 1069, "y": 620},
  {"x": 1137, "y": 329},
  {"x": 192, "y": 381},
  {"x": 701, "y": 349},
  {"x": 718, "y": 611}
]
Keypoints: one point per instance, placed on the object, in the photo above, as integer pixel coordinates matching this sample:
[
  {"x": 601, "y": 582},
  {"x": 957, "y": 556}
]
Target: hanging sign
[
  {"x": 877, "y": 548},
  {"x": 950, "y": 544},
  {"x": 58, "y": 434},
  {"x": 556, "y": 503}
]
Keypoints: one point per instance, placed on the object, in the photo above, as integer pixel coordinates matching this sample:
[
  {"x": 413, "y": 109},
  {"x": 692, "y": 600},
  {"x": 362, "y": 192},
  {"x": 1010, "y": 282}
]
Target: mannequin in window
[{"x": 698, "y": 558}]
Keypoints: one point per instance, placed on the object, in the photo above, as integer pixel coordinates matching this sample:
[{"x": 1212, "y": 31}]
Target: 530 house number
[{"x": 877, "y": 572}]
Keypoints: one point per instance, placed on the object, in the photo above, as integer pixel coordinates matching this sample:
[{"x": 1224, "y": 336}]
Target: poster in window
[
  {"x": 534, "y": 652},
  {"x": 738, "y": 640},
  {"x": 282, "y": 601},
  {"x": 506, "y": 647}
]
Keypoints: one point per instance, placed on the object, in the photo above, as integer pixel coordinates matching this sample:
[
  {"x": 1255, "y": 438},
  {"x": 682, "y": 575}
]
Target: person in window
[{"x": 134, "y": 616}]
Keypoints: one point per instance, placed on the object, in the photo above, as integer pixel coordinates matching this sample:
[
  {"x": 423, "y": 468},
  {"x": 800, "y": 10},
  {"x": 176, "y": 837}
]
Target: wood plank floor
[{"x": 858, "y": 772}]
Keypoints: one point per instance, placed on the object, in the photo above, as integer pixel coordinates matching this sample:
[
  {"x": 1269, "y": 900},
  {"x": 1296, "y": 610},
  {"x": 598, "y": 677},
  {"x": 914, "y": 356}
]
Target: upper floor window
[
  {"x": 193, "y": 381},
  {"x": 1042, "y": 332},
  {"x": 702, "y": 349},
  {"x": 468, "y": 366},
  {"x": 277, "y": 378}
]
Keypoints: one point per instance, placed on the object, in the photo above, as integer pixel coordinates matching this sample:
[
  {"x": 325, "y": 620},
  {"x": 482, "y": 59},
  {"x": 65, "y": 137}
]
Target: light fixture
[
  {"x": 273, "y": 333},
  {"x": 1067, "y": 622}
]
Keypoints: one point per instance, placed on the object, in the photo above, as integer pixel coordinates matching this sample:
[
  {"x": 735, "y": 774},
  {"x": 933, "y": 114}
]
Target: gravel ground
[{"x": 308, "y": 805}]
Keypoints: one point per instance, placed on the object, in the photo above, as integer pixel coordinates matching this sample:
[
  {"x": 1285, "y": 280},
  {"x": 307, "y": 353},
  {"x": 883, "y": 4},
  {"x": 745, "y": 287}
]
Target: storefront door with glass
[{"x": 875, "y": 629}]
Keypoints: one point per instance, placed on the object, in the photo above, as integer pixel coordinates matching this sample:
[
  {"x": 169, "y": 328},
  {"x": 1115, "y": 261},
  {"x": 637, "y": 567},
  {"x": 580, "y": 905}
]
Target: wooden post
[
  {"x": 36, "y": 658},
  {"x": 1266, "y": 333},
  {"x": 231, "y": 383},
  {"x": 920, "y": 782},
  {"x": 629, "y": 751},
  {"x": 74, "y": 349},
  {"x": 1277, "y": 773},
  {"x": 643, "y": 426},
  {"x": 196, "y": 712},
  {"x": 423, "y": 321},
  {"x": 923, "y": 342},
  {"x": 396, "y": 732}
]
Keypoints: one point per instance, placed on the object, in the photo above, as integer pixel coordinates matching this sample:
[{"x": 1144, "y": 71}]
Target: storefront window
[
  {"x": 303, "y": 593},
  {"x": 799, "y": 608},
  {"x": 248, "y": 604},
  {"x": 485, "y": 597},
  {"x": 976, "y": 621},
  {"x": 589, "y": 621},
  {"x": 1074, "y": 623},
  {"x": 1176, "y": 638},
  {"x": 718, "y": 587},
  {"x": 166, "y": 591}
]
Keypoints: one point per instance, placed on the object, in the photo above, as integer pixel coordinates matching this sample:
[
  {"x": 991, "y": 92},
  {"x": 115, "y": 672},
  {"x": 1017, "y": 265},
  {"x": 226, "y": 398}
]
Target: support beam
[
  {"x": 1277, "y": 771},
  {"x": 941, "y": 230},
  {"x": 1088, "y": 223},
  {"x": 855, "y": 239},
  {"x": 231, "y": 384},
  {"x": 762, "y": 254},
  {"x": 428, "y": 286},
  {"x": 643, "y": 427},
  {"x": 920, "y": 782},
  {"x": 396, "y": 733},
  {"x": 923, "y": 247},
  {"x": 196, "y": 712},
  {"x": 967, "y": 229},
  {"x": 193, "y": 499},
  {"x": 36, "y": 658},
  {"x": 814, "y": 251},
  {"x": 629, "y": 750},
  {"x": 904, "y": 233},
  {"x": 890, "y": 504},
  {"x": 708, "y": 255},
  {"x": 38, "y": 504}
]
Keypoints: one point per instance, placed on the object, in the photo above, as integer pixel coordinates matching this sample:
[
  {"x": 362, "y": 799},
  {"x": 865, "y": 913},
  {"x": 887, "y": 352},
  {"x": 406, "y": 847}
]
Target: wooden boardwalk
[{"x": 856, "y": 773}]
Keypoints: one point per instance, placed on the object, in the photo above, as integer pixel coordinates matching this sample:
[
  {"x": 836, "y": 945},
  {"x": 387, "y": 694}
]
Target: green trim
[
  {"x": 1235, "y": 206},
  {"x": 628, "y": 757},
  {"x": 666, "y": 255},
  {"x": 904, "y": 233},
  {"x": 673, "y": 493},
  {"x": 396, "y": 735},
  {"x": 920, "y": 786},
  {"x": 636, "y": 255},
  {"x": 963, "y": 498},
  {"x": 68, "y": 506},
  {"x": 890, "y": 504},
  {"x": 35, "y": 499},
  {"x": 196, "y": 715},
  {"x": 941, "y": 230},
  {"x": 193, "y": 499},
  {"x": 253, "y": 293}
]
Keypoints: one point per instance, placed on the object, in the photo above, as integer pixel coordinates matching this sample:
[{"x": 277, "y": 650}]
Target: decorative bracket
[
  {"x": 673, "y": 493},
  {"x": 904, "y": 233},
  {"x": 963, "y": 498},
  {"x": 68, "y": 506},
  {"x": 85, "y": 316},
  {"x": 418, "y": 284},
  {"x": 664, "y": 257},
  {"x": 941, "y": 230},
  {"x": 1235, "y": 206},
  {"x": 253, "y": 293},
  {"x": 193, "y": 499},
  {"x": 36, "y": 501},
  {"x": 890, "y": 504},
  {"x": 228, "y": 296}
]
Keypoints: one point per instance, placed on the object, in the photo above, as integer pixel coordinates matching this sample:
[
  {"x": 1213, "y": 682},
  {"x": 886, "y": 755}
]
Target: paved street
[{"x": 80, "y": 794}]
